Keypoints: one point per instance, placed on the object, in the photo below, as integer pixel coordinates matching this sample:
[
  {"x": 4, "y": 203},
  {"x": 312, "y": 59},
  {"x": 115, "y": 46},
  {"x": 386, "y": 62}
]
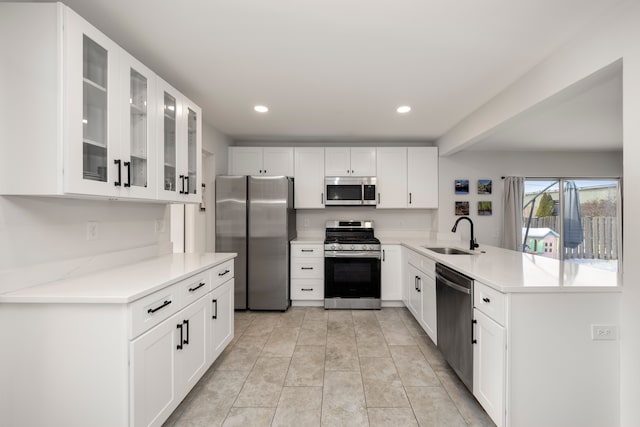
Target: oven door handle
[
  {"x": 452, "y": 285},
  {"x": 354, "y": 254}
]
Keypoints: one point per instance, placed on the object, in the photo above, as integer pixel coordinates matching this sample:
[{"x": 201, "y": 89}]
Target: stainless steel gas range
[{"x": 351, "y": 266}]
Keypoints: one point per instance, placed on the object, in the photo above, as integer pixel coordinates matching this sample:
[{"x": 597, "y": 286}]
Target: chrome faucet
[{"x": 472, "y": 244}]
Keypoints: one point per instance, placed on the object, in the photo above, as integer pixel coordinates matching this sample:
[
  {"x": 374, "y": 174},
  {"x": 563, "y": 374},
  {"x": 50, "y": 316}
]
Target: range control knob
[
  {"x": 353, "y": 247},
  {"x": 335, "y": 247}
]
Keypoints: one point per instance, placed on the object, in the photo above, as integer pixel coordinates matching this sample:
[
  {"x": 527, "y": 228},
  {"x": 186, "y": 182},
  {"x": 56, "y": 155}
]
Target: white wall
[
  {"x": 407, "y": 223},
  {"x": 615, "y": 36},
  {"x": 37, "y": 230},
  {"x": 474, "y": 165}
]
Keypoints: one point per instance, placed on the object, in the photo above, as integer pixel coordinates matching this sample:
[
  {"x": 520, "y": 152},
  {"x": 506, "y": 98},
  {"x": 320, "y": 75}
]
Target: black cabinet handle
[
  {"x": 487, "y": 300},
  {"x": 223, "y": 273},
  {"x": 306, "y": 250},
  {"x": 409, "y": 198},
  {"x": 306, "y": 289},
  {"x": 419, "y": 284},
  {"x": 306, "y": 268},
  {"x": 186, "y": 178},
  {"x": 201, "y": 284},
  {"x": 260, "y": 171},
  {"x": 179, "y": 346},
  {"x": 473, "y": 332},
  {"x": 378, "y": 198},
  {"x": 128, "y": 166},
  {"x": 215, "y": 313},
  {"x": 164, "y": 304},
  {"x": 265, "y": 171},
  {"x": 118, "y": 183},
  {"x": 186, "y": 322},
  {"x": 182, "y": 179},
  {"x": 383, "y": 255},
  {"x": 415, "y": 283}
]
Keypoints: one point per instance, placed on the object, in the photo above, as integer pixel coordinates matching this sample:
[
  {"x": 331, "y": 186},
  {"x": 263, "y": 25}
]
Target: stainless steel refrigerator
[{"x": 256, "y": 219}]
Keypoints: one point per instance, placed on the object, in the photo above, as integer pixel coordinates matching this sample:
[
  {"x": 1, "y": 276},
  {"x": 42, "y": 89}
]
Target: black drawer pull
[
  {"x": 487, "y": 300},
  {"x": 306, "y": 250},
  {"x": 223, "y": 273},
  {"x": 128, "y": 166},
  {"x": 179, "y": 346},
  {"x": 201, "y": 284},
  {"x": 215, "y": 313},
  {"x": 186, "y": 341},
  {"x": 118, "y": 183},
  {"x": 164, "y": 304},
  {"x": 306, "y": 289},
  {"x": 307, "y": 268}
]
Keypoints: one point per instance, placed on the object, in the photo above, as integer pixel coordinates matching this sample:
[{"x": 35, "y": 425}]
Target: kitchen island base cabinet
[{"x": 102, "y": 362}]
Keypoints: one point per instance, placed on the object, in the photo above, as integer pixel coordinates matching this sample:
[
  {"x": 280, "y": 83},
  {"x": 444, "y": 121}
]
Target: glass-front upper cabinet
[
  {"x": 138, "y": 153},
  {"x": 194, "y": 150},
  {"x": 169, "y": 117},
  {"x": 91, "y": 97}
]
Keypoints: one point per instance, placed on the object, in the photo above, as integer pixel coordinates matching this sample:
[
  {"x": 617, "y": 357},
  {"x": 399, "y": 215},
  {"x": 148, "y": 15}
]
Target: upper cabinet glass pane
[
  {"x": 94, "y": 110},
  {"x": 169, "y": 142},
  {"x": 192, "y": 138},
  {"x": 138, "y": 119}
]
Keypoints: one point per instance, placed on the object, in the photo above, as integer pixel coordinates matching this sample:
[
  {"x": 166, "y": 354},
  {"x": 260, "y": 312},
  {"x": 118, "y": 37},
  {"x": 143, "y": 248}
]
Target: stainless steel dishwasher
[{"x": 454, "y": 298}]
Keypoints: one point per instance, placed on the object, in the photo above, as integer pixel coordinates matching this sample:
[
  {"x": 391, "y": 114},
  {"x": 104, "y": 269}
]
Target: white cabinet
[
  {"x": 489, "y": 352},
  {"x": 221, "y": 330},
  {"x": 422, "y": 177},
  {"x": 93, "y": 112},
  {"x": 420, "y": 288},
  {"x": 153, "y": 371},
  {"x": 307, "y": 271},
  {"x": 309, "y": 178},
  {"x": 267, "y": 161},
  {"x": 345, "y": 161},
  {"x": 392, "y": 177},
  {"x": 180, "y": 131},
  {"x": 391, "y": 273}
]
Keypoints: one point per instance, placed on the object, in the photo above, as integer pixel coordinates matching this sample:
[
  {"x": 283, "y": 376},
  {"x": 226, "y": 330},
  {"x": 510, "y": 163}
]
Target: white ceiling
[
  {"x": 584, "y": 117},
  {"x": 336, "y": 69}
]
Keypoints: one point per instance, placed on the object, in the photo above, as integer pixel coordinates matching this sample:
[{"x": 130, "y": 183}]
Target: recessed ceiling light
[
  {"x": 261, "y": 108},
  {"x": 404, "y": 109}
]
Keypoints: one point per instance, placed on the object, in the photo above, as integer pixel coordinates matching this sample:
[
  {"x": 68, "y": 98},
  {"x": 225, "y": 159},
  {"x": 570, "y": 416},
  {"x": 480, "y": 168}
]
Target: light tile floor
[{"x": 311, "y": 367}]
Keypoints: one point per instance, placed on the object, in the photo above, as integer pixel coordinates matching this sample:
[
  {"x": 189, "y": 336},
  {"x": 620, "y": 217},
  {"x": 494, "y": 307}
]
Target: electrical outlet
[
  {"x": 159, "y": 226},
  {"x": 92, "y": 230},
  {"x": 604, "y": 332}
]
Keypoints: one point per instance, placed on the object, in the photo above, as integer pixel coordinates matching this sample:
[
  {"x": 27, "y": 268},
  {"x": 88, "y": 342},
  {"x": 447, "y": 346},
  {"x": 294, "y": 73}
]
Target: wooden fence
[{"x": 600, "y": 236}]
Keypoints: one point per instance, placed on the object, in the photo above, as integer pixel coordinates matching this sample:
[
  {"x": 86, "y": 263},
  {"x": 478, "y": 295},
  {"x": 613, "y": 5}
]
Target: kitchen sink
[{"x": 449, "y": 251}]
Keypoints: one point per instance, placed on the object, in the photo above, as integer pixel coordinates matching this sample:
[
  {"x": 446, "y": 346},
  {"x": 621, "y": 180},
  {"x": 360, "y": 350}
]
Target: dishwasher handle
[{"x": 453, "y": 285}]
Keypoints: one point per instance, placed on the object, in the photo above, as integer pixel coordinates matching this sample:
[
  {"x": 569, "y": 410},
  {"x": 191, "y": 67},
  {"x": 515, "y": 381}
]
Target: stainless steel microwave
[{"x": 350, "y": 190}]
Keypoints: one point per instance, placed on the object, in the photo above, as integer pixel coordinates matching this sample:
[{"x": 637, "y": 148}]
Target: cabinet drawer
[
  {"x": 307, "y": 289},
  {"x": 221, "y": 273},
  {"x": 312, "y": 268},
  {"x": 422, "y": 263},
  {"x": 308, "y": 251},
  {"x": 147, "y": 312},
  {"x": 194, "y": 287},
  {"x": 489, "y": 301}
]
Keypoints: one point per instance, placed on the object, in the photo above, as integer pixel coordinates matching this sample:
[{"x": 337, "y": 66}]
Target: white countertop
[
  {"x": 119, "y": 285},
  {"x": 511, "y": 271}
]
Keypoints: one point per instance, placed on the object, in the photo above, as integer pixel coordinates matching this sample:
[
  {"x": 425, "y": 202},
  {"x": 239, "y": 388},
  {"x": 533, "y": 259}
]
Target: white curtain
[{"x": 512, "y": 215}]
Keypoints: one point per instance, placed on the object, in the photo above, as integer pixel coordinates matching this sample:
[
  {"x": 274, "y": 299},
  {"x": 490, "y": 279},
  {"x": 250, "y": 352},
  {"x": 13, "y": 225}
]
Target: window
[{"x": 582, "y": 220}]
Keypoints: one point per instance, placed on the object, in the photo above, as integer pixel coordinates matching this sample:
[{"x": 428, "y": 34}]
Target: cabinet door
[
  {"x": 170, "y": 114},
  {"x": 429, "y": 314},
  {"x": 489, "y": 366},
  {"x": 392, "y": 177},
  {"x": 391, "y": 273},
  {"x": 414, "y": 299},
  {"x": 221, "y": 318},
  {"x": 139, "y": 147},
  {"x": 422, "y": 163},
  {"x": 363, "y": 161},
  {"x": 191, "y": 148},
  {"x": 278, "y": 161},
  {"x": 337, "y": 161},
  {"x": 309, "y": 178},
  {"x": 153, "y": 374},
  {"x": 91, "y": 106},
  {"x": 192, "y": 358},
  {"x": 245, "y": 160}
]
